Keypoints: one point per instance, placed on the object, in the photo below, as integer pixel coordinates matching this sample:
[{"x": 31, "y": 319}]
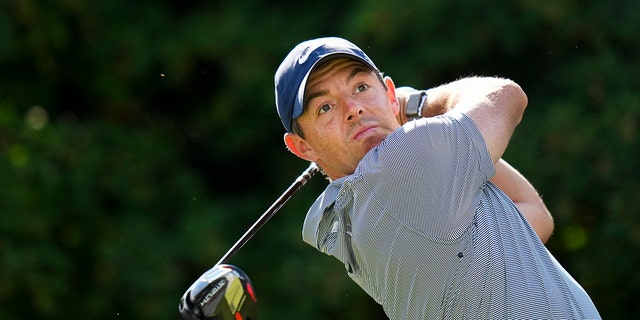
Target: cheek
[
  {"x": 323, "y": 142},
  {"x": 321, "y": 130},
  {"x": 326, "y": 144}
]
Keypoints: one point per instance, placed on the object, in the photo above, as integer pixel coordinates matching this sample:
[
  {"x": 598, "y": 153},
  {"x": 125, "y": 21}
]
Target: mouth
[{"x": 362, "y": 131}]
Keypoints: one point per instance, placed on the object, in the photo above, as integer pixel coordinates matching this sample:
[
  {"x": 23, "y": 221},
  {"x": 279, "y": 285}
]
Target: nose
[{"x": 354, "y": 109}]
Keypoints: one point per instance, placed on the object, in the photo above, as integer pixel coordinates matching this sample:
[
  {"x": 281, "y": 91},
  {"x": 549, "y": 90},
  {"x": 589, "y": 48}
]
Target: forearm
[
  {"x": 441, "y": 99},
  {"x": 525, "y": 197}
]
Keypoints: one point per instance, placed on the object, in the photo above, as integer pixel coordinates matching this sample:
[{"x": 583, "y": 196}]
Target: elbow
[
  {"x": 545, "y": 223},
  {"x": 538, "y": 217},
  {"x": 548, "y": 230},
  {"x": 516, "y": 95}
]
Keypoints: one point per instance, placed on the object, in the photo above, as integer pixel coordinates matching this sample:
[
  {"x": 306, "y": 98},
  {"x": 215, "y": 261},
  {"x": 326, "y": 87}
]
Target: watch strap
[{"x": 413, "y": 106}]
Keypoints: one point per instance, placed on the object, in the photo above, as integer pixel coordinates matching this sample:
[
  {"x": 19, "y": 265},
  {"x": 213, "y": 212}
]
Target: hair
[{"x": 295, "y": 126}]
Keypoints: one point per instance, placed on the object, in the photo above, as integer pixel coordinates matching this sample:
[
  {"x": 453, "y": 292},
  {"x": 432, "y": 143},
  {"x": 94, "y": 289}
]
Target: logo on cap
[{"x": 304, "y": 55}]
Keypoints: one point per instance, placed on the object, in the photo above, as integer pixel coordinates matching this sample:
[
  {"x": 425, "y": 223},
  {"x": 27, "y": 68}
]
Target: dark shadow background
[{"x": 139, "y": 140}]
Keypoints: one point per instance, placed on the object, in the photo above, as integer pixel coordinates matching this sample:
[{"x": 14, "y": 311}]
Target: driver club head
[{"x": 224, "y": 292}]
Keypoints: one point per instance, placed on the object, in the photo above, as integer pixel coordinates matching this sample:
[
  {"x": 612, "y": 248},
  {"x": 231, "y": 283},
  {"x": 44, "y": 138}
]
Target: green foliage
[{"x": 139, "y": 140}]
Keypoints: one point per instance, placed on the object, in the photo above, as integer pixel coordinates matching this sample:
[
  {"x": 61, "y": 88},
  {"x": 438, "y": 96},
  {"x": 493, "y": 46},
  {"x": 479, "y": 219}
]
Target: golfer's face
[{"x": 348, "y": 112}]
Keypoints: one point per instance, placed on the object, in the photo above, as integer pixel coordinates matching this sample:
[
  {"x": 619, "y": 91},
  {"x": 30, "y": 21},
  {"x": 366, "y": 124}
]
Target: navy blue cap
[{"x": 291, "y": 77}]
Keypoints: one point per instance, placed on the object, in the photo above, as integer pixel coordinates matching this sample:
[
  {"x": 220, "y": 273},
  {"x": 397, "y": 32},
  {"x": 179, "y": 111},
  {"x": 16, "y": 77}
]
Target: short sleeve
[{"x": 433, "y": 170}]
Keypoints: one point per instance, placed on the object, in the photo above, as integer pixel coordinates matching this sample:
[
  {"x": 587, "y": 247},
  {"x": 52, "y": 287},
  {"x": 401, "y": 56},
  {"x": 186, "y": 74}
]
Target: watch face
[{"x": 413, "y": 104}]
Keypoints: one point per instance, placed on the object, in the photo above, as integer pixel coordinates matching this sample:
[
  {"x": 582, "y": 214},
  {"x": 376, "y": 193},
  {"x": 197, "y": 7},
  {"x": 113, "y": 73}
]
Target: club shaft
[{"x": 271, "y": 211}]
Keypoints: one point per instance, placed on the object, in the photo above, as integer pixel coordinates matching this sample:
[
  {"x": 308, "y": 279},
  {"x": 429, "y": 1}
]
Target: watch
[{"x": 414, "y": 105}]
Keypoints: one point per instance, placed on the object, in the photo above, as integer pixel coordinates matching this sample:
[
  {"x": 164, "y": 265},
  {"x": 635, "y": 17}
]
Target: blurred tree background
[{"x": 139, "y": 140}]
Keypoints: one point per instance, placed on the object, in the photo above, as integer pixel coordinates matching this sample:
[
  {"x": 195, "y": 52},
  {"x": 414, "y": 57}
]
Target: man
[{"x": 413, "y": 208}]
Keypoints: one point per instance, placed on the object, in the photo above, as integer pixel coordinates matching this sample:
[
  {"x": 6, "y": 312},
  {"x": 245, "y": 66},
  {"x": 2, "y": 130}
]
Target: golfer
[{"x": 423, "y": 213}]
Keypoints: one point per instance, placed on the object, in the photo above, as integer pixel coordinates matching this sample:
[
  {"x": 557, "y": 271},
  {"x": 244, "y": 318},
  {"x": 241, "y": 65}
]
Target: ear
[
  {"x": 391, "y": 95},
  {"x": 298, "y": 146}
]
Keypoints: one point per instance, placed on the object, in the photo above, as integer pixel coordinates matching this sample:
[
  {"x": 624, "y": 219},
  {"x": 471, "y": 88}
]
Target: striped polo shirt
[{"x": 421, "y": 229}]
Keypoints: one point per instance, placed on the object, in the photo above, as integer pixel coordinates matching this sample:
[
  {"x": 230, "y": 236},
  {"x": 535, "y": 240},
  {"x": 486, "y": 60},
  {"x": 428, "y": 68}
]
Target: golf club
[{"x": 225, "y": 292}]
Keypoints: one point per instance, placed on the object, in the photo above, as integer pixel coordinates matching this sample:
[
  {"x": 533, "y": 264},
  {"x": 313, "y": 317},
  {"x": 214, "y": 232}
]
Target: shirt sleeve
[{"x": 434, "y": 171}]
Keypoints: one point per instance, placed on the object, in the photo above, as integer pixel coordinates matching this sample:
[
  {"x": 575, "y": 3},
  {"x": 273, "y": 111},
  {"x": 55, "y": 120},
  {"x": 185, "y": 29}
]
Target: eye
[
  {"x": 324, "y": 108},
  {"x": 361, "y": 88}
]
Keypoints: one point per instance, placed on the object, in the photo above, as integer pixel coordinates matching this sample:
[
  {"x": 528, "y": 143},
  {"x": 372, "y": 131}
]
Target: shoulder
[{"x": 434, "y": 141}]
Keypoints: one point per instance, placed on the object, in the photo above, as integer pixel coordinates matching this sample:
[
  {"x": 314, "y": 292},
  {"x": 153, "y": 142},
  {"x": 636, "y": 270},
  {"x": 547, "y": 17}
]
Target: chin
[{"x": 372, "y": 144}]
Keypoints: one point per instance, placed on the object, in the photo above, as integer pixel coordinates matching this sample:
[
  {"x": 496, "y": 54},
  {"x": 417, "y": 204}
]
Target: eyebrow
[{"x": 357, "y": 69}]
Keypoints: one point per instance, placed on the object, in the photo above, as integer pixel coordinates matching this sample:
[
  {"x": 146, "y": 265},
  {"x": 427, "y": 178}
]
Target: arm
[
  {"x": 507, "y": 178},
  {"x": 525, "y": 197},
  {"x": 495, "y": 105}
]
